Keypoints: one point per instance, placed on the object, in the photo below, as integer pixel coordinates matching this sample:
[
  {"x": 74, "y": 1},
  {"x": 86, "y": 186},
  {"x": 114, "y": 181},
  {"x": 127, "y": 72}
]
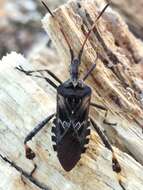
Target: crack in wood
[
  {"x": 25, "y": 174},
  {"x": 107, "y": 51},
  {"x": 138, "y": 123},
  {"x": 107, "y": 56}
]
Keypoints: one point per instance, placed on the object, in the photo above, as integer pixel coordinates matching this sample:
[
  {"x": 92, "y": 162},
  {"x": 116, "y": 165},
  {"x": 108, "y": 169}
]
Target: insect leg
[
  {"x": 40, "y": 70},
  {"x": 106, "y": 113},
  {"x": 29, "y": 73},
  {"x": 29, "y": 152},
  {"x": 115, "y": 164}
]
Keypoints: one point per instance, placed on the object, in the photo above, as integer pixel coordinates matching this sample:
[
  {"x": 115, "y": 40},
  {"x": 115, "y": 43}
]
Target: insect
[{"x": 71, "y": 121}]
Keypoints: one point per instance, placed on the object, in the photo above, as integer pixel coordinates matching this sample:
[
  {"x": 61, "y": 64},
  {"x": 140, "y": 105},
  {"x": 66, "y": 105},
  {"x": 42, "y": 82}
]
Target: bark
[{"x": 116, "y": 84}]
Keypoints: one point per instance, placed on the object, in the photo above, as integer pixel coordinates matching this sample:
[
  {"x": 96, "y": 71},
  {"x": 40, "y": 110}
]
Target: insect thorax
[{"x": 73, "y": 104}]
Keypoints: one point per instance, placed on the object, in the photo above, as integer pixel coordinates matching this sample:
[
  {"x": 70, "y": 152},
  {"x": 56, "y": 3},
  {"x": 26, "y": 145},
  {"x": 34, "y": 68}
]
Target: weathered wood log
[
  {"x": 132, "y": 12},
  {"x": 116, "y": 84},
  {"x": 117, "y": 79}
]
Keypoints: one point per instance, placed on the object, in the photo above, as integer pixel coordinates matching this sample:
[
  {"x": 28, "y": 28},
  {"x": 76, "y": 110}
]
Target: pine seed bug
[{"x": 71, "y": 123}]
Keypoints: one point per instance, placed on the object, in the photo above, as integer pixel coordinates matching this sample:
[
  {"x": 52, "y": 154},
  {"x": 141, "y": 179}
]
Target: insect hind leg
[
  {"x": 115, "y": 163},
  {"x": 106, "y": 113}
]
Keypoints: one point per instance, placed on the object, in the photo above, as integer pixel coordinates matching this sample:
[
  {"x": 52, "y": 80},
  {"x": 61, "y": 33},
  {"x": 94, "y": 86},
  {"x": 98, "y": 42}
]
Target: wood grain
[{"x": 116, "y": 83}]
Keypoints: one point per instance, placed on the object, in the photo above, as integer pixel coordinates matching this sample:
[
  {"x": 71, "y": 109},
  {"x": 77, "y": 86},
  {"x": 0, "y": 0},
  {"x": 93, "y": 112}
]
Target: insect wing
[{"x": 69, "y": 150}]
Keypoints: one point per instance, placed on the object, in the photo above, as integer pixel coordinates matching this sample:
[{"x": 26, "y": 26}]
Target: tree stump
[{"x": 116, "y": 84}]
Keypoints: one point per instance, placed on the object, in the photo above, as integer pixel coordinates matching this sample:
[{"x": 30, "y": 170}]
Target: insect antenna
[
  {"x": 90, "y": 70},
  {"x": 92, "y": 27},
  {"x": 66, "y": 39},
  {"x": 74, "y": 67},
  {"x": 47, "y": 8}
]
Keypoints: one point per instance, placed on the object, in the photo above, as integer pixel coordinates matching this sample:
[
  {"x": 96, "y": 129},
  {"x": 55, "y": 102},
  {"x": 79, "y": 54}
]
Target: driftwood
[{"x": 116, "y": 83}]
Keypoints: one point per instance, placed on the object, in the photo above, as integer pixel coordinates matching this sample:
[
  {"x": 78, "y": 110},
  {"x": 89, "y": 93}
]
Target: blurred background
[
  {"x": 20, "y": 25},
  {"x": 21, "y": 29}
]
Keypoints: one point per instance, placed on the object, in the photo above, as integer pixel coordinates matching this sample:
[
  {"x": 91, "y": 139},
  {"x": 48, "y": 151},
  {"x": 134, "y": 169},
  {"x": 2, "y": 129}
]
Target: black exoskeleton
[{"x": 72, "y": 121}]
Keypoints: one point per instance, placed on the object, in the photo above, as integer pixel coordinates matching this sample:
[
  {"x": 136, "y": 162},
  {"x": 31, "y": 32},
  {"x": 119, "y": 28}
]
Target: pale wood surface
[{"x": 24, "y": 101}]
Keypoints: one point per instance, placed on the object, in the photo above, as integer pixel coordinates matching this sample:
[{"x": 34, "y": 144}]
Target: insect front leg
[
  {"x": 28, "y": 151},
  {"x": 106, "y": 113},
  {"x": 30, "y": 73}
]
